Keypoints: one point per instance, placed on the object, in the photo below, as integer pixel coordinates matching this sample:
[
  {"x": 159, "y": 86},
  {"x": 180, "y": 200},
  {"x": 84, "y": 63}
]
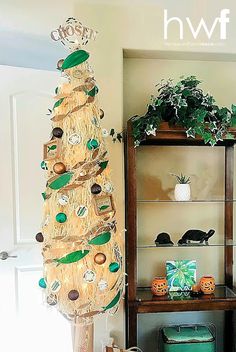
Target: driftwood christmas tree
[{"x": 82, "y": 251}]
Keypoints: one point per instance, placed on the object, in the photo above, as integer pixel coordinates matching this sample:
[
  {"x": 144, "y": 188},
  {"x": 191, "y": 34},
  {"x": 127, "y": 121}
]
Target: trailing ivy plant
[{"x": 186, "y": 105}]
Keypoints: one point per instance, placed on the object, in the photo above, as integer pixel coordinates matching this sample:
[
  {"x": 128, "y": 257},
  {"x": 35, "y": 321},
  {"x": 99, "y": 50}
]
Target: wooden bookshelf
[{"x": 140, "y": 300}]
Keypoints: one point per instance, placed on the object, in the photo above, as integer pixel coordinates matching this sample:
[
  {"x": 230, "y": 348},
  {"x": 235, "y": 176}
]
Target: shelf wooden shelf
[
  {"x": 186, "y": 201},
  {"x": 224, "y": 298},
  {"x": 185, "y": 246},
  {"x": 140, "y": 300},
  {"x": 167, "y": 135}
]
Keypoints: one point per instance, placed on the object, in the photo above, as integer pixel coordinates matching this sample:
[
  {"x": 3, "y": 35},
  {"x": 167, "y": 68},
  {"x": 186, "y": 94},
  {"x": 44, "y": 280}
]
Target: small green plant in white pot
[{"x": 182, "y": 188}]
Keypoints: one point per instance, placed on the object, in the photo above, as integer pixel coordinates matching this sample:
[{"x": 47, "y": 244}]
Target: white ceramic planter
[{"x": 182, "y": 192}]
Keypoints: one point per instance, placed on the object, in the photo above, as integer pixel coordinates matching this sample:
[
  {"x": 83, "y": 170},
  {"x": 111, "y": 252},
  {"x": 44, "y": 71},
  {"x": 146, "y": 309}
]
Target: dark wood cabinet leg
[
  {"x": 229, "y": 213},
  {"x": 132, "y": 327},
  {"x": 229, "y": 338}
]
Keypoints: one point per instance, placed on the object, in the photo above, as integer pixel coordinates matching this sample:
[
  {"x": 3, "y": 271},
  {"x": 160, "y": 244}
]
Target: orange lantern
[
  {"x": 159, "y": 286},
  {"x": 207, "y": 284}
]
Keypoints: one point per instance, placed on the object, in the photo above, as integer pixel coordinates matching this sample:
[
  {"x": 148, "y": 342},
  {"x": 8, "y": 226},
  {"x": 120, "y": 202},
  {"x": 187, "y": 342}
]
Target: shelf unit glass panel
[
  {"x": 221, "y": 292},
  {"x": 154, "y": 201},
  {"x": 202, "y": 164},
  {"x": 154, "y": 218},
  {"x": 186, "y": 246},
  {"x": 152, "y": 262}
]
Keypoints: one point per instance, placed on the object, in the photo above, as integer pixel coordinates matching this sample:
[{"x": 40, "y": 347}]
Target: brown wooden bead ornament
[
  {"x": 100, "y": 258},
  {"x": 39, "y": 237},
  {"x": 101, "y": 113},
  {"x": 96, "y": 188},
  {"x": 57, "y": 132},
  {"x": 73, "y": 295},
  {"x": 59, "y": 168},
  {"x": 59, "y": 64}
]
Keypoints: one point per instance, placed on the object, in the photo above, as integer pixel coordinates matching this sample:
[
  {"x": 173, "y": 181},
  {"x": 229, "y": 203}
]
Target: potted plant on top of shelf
[
  {"x": 184, "y": 104},
  {"x": 182, "y": 188}
]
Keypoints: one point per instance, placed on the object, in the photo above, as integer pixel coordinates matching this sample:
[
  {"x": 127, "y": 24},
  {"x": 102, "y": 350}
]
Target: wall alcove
[{"x": 142, "y": 71}]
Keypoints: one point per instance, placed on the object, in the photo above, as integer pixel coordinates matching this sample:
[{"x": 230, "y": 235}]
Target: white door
[{"x": 26, "y": 324}]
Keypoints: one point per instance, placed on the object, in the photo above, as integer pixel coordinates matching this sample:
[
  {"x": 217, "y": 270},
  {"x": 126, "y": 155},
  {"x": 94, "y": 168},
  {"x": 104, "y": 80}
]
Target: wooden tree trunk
[{"x": 82, "y": 337}]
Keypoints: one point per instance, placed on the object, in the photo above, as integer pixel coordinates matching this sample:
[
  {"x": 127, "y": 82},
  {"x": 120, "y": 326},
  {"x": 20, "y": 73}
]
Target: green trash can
[{"x": 185, "y": 338}]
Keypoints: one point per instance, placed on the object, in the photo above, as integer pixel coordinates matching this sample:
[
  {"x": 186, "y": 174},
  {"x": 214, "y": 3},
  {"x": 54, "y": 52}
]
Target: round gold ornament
[
  {"x": 59, "y": 168},
  {"x": 100, "y": 258}
]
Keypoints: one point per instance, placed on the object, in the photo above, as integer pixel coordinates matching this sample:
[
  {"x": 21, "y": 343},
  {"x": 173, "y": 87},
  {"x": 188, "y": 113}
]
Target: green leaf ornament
[
  {"x": 61, "y": 181},
  {"x": 101, "y": 239},
  {"x": 58, "y": 103},
  {"x": 113, "y": 302},
  {"x": 72, "y": 257},
  {"x": 75, "y": 58}
]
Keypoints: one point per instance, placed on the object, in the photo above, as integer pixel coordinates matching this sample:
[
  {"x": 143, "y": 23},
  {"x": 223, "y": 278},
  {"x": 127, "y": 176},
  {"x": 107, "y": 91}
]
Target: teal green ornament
[
  {"x": 44, "y": 165},
  {"x": 42, "y": 283},
  {"x": 92, "y": 144},
  {"x": 61, "y": 217},
  {"x": 114, "y": 267}
]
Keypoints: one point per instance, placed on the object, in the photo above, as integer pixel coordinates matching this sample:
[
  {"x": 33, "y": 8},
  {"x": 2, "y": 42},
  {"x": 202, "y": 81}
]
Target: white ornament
[
  {"x": 55, "y": 286},
  {"x": 95, "y": 121},
  {"x": 74, "y": 139},
  {"x": 52, "y": 299},
  {"x": 81, "y": 211},
  {"x": 108, "y": 187},
  {"x": 89, "y": 276},
  {"x": 78, "y": 73},
  {"x": 63, "y": 80},
  {"x": 63, "y": 200},
  {"x": 103, "y": 285},
  {"x": 89, "y": 69},
  {"x": 105, "y": 132}
]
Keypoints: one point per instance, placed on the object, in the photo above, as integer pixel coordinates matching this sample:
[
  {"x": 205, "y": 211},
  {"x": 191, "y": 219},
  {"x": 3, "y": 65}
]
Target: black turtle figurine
[
  {"x": 163, "y": 239},
  {"x": 196, "y": 236}
]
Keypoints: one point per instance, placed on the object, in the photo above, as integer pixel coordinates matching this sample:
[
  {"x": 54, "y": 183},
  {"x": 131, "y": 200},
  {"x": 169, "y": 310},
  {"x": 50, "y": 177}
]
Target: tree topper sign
[{"x": 73, "y": 34}]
